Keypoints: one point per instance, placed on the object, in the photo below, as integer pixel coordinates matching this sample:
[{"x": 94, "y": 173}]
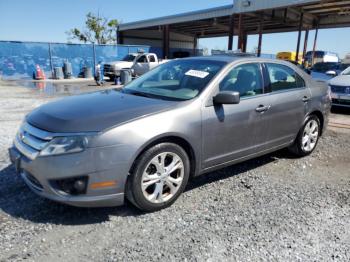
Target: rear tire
[
  {"x": 159, "y": 177},
  {"x": 307, "y": 138}
]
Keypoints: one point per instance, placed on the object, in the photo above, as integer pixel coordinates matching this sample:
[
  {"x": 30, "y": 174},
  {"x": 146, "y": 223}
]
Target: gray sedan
[{"x": 183, "y": 119}]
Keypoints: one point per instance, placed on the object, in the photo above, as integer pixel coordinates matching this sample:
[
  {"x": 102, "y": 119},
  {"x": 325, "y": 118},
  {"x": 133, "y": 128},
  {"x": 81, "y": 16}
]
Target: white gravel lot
[{"x": 274, "y": 208}]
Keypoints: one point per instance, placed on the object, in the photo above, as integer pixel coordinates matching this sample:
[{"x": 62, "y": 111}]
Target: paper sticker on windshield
[{"x": 196, "y": 73}]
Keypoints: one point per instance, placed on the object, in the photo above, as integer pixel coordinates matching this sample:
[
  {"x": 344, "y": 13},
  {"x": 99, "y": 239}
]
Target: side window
[
  {"x": 245, "y": 79},
  {"x": 300, "y": 81},
  {"x": 152, "y": 59},
  {"x": 283, "y": 77},
  {"x": 142, "y": 59}
]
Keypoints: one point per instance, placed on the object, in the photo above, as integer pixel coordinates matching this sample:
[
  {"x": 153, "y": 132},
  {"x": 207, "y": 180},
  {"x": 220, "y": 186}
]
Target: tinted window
[
  {"x": 142, "y": 59},
  {"x": 283, "y": 77},
  {"x": 152, "y": 58},
  {"x": 300, "y": 81},
  {"x": 245, "y": 79}
]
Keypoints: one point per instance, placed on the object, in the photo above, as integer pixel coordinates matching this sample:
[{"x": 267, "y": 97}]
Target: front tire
[
  {"x": 307, "y": 138},
  {"x": 159, "y": 177}
]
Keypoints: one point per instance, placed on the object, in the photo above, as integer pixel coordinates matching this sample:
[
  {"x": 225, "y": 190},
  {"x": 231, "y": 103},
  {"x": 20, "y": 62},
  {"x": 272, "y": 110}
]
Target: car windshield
[
  {"x": 128, "y": 58},
  {"x": 324, "y": 67},
  {"x": 176, "y": 80},
  {"x": 346, "y": 72}
]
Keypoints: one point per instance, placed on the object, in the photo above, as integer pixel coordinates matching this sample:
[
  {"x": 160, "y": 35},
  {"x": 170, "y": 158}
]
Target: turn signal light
[{"x": 103, "y": 184}]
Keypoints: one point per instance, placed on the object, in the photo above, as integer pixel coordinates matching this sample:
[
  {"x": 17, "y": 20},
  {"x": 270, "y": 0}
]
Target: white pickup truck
[{"x": 140, "y": 63}]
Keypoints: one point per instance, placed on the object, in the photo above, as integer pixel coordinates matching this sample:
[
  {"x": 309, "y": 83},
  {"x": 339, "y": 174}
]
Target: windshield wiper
[{"x": 138, "y": 93}]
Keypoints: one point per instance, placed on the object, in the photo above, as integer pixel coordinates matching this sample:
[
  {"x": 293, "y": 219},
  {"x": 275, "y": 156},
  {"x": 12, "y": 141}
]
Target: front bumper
[
  {"x": 110, "y": 73},
  {"x": 96, "y": 164},
  {"x": 342, "y": 100}
]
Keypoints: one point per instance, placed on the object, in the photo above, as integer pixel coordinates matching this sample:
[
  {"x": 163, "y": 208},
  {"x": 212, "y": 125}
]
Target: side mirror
[
  {"x": 331, "y": 73},
  {"x": 226, "y": 98}
]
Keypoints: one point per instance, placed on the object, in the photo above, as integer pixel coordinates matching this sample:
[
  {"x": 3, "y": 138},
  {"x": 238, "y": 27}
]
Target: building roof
[
  {"x": 179, "y": 18},
  {"x": 278, "y": 16}
]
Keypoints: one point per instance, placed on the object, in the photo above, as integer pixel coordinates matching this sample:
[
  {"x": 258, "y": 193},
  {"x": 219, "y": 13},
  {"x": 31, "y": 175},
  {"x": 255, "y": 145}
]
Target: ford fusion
[{"x": 182, "y": 119}]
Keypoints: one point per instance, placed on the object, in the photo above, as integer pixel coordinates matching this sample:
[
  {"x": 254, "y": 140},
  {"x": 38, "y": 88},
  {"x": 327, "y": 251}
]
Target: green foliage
[{"x": 97, "y": 30}]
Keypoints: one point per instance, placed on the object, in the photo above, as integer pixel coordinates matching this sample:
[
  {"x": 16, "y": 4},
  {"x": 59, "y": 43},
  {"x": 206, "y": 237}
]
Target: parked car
[
  {"x": 182, "y": 119},
  {"x": 340, "y": 88},
  {"x": 321, "y": 57},
  {"x": 112, "y": 69},
  {"x": 325, "y": 71},
  {"x": 140, "y": 63},
  {"x": 146, "y": 62}
]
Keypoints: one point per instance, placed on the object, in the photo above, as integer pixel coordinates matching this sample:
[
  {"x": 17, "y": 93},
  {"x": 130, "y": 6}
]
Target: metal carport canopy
[{"x": 272, "y": 15}]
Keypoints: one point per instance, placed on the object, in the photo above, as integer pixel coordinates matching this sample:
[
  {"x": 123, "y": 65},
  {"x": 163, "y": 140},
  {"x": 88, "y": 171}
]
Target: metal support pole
[
  {"x": 94, "y": 54},
  {"x": 166, "y": 40},
  {"x": 240, "y": 18},
  {"x": 261, "y": 28},
  {"x": 195, "y": 45},
  {"x": 305, "y": 44},
  {"x": 51, "y": 65},
  {"x": 117, "y": 35},
  {"x": 231, "y": 32},
  {"x": 299, "y": 36},
  {"x": 314, "y": 47},
  {"x": 244, "y": 42}
]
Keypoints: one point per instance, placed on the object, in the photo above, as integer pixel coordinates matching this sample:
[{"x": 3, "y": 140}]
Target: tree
[{"x": 97, "y": 30}]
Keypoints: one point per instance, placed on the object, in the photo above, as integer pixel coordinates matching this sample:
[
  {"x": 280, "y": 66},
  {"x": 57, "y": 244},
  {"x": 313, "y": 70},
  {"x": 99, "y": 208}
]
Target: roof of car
[{"x": 233, "y": 58}]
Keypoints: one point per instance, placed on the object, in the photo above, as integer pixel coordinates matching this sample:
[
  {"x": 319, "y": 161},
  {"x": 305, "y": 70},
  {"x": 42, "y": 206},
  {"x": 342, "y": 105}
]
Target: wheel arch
[
  {"x": 320, "y": 116},
  {"x": 171, "y": 138}
]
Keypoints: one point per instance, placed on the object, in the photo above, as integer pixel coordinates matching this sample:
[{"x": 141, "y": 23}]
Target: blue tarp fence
[{"x": 18, "y": 59}]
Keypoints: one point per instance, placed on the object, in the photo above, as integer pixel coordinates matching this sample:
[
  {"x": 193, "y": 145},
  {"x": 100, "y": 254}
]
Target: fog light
[
  {"x": 71, "y": 186},
  {"x": 80, "y": 186}
]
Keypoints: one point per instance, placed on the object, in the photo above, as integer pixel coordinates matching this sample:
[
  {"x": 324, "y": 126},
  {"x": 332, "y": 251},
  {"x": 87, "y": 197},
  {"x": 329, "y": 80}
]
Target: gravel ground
[{"x": 274, "y": 208}]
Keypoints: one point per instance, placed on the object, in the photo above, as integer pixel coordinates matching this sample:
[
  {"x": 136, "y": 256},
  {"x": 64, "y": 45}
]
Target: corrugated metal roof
[
  {"x": 179, "y": 18},
  {"x": 242, "y": 6},
  {"x": 279, "y": 16},
  {"x": 239, "y": 6}
]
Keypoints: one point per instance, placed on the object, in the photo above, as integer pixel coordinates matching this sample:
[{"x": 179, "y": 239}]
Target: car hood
[
  {"x": 342, "y": 80},
  {"x": 94, "y": 112}
]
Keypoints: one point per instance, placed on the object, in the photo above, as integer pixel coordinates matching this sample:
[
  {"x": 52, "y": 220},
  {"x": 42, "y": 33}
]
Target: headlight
[{"x": 65, "y": 145}]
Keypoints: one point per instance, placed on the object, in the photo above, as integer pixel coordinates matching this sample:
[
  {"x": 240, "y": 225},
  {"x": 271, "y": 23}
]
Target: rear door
[{"x": 289, "y": 99}]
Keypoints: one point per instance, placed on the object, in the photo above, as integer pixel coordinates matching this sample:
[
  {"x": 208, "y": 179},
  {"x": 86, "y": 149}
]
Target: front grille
[
  {"x": 340, "y": 89},
  {"x": 31, "y": 140},
  {"x": 107, "y": 68},
  {"x": 341, "y": 102}
]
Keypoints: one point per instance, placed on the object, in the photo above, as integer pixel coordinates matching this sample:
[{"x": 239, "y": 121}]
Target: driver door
[
  {"x": 232, "y": 132},
  {"x": 141, "y": 66}
]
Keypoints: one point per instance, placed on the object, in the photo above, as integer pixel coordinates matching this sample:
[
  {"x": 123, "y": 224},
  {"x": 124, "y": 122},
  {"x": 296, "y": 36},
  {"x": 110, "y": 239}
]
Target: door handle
[
  {"x": 306, "y": 99},
  {"x": 262, "y": 108}
]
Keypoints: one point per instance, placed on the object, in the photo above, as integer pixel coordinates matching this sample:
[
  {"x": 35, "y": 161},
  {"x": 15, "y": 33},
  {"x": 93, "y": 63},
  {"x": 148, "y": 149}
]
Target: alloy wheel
[
  {"x": 310, "y": 136},
  {"x": 162, "y": 177}
]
